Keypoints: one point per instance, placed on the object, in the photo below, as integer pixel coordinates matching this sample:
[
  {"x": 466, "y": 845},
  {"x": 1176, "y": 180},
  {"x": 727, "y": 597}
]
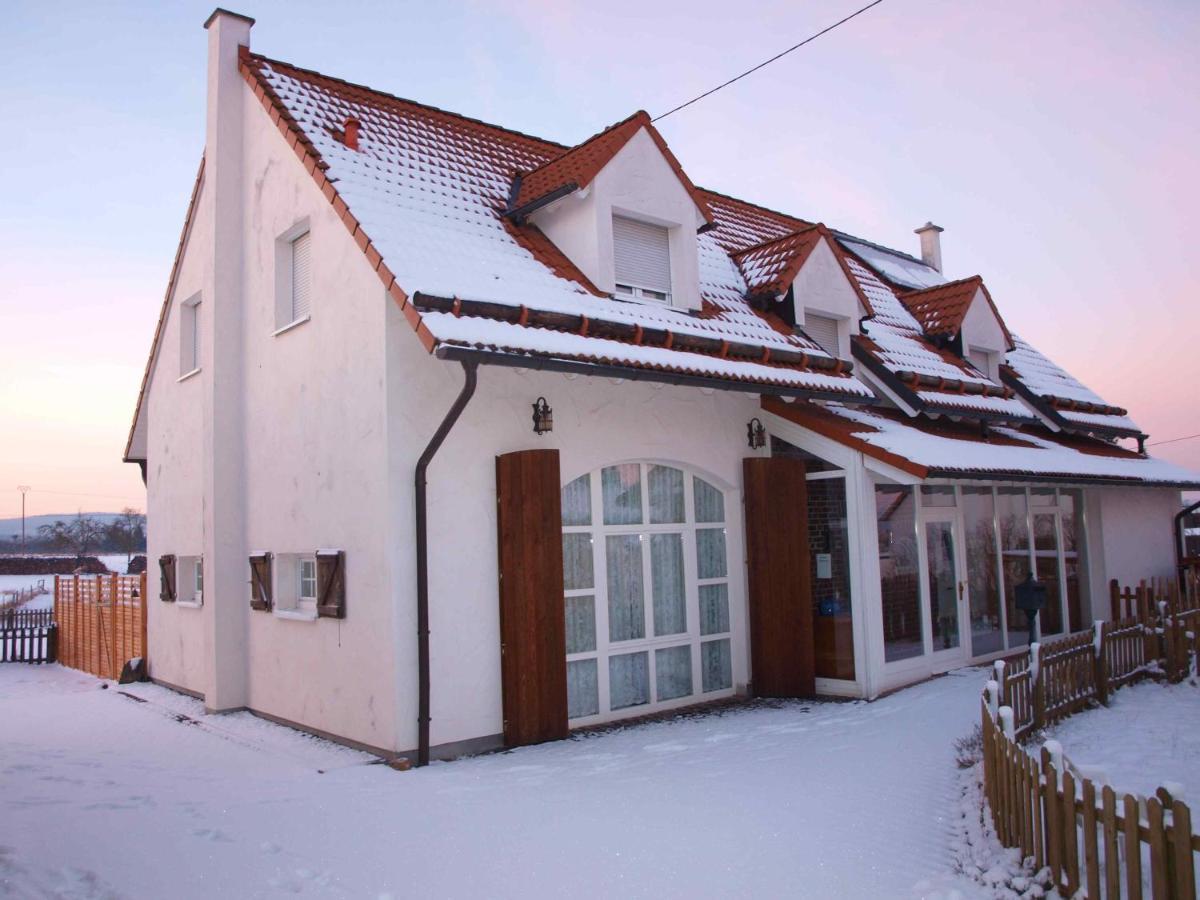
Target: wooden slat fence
[
  {"x": 1096, "y": 842},
  {"x": 101, "y": 620}
]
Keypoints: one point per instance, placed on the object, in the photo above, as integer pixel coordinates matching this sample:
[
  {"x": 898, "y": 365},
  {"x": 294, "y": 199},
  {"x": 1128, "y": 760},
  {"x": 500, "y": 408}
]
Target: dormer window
[
  {"x": 985, "y": 362},
  {"x": 641, "y": 260},
  {"x": 826, "y": 331}
]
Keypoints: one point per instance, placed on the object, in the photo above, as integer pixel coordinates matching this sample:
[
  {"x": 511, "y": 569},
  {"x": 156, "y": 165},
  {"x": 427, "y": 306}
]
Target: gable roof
[
  {"x": 924, "y": 448},
  {"x": 425, "y": 191},
  {"x": 942, "y": 309},
  {"x": 770, "y": 267},
  {"x": 577, "y": 167}
]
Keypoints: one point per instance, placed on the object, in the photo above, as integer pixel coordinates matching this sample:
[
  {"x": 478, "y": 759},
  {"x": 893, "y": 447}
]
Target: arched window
[{"x": 646, "y": 574}]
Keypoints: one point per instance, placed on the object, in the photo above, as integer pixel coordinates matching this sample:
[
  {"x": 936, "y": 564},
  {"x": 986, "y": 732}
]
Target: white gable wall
[
  {"x": 981, "y": 331},
  {"x": 638, "y": 182},
  {"x": 821, "y": 286},
  {"x": 174, "y": 413}
]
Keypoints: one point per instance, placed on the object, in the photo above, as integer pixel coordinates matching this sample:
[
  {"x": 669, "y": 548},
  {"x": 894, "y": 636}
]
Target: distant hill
[{"x": 9, "y": 527}]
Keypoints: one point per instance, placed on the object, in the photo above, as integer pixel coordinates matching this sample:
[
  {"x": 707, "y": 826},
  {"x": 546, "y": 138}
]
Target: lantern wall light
[
  {"x": 543, "y": 416},
  {"x": 756, "y": 435}
]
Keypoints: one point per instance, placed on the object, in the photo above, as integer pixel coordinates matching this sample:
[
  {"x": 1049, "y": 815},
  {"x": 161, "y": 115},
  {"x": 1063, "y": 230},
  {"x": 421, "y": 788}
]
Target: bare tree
[
  {"x": 79, "y": 535},
  {"x": 132, "y": 532}
]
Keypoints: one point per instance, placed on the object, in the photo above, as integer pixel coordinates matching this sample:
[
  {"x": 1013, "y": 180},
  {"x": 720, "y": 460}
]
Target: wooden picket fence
[
  {"x": 1159, "y": 637},
  {"x": 26, "y": 618},
  {"x": 1095, "y": 843},
  {"x": 28, "y": 643},
  {"x": 101, "y": 621}
]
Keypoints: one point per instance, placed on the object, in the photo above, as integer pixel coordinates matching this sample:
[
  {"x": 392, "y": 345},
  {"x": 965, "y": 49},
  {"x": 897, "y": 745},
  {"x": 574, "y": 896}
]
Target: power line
[
  {"x": 1174, "y": 440},
  {"x": 76, "y": 494},
  {"x": 807, "y": 40}
]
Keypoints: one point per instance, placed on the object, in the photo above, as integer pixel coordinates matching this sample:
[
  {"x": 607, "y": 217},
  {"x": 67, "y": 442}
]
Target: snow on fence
[
  {"x": 1160, "y": 638},
  {"x": 14, "y": 598},
  {"x": 102, "y": 621},
  {"x": 1094, "y": 842}
]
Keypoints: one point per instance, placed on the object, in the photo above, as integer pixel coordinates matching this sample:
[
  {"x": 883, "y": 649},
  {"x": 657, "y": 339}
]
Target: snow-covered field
[
  {"x": 105, "y": 795},
  {"x": 1147, "y": 736},
  {"x": 115, "y": 562}
]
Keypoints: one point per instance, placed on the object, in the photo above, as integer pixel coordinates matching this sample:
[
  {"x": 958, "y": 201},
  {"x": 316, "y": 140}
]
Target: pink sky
[{"x": 1055, "y": 142}]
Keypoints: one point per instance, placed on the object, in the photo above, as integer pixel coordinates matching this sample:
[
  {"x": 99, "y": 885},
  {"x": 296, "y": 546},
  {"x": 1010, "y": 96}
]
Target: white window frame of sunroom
[
  {"x": 738, "y": 635},
  {"x": 925, "y": 662},
  {"x": 850, "y": 462}
]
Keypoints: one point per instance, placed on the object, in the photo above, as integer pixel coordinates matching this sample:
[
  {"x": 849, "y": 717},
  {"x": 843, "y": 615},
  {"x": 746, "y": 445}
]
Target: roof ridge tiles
[{"x": 251, "y": 55}]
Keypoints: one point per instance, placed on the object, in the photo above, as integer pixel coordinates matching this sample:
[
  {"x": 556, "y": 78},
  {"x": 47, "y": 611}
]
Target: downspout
[{"x": 470, "y": 372}]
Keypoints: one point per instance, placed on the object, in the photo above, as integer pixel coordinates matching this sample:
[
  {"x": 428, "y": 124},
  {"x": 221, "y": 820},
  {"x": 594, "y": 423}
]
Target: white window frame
[
  {"x": 287, "y": 575},
  {"x": 286, "y": 316},
  {"x": 632, "y": 290},
  {"x": 189, "y": 573},
  {"x": 838, "y": 324},
  {"x": 648, "y": 644},
  {"x": 190, "y": 334}
]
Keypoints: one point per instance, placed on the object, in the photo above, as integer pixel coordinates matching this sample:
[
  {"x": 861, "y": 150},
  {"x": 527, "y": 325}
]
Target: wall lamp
[
  {"x": 756, "y": 435},
  {"x": 543, "y": 416}
]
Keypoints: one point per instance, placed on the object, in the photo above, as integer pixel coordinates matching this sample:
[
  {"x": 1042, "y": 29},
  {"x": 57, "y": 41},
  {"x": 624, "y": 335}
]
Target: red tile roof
[
  {"x": 576, "y": 168},
  {"x": 770, "y": 267},
  {"x": 942, "y": 309}
]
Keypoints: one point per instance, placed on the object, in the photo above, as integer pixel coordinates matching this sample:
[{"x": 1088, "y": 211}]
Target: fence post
[
  {"x": 998, "y": 674},
  {"x": 1037, "y": 686},
  {"x": 1100, "y": 661},
  {"x": 1114, "y": 596}
]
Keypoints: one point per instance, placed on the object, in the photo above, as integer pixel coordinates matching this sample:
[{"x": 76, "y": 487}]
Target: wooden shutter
[
  {"x": 641, "y": 254},
  {"x": 823, "y": 330},
  {"x": 166, "y": 570},
  {"x": 533, "y": 641},
  {"x": 779, "y": 579},
  {"x": 261, "y": 592},
  {"x": 331, "y": 584},
  {"x": 301, "y": 276}
]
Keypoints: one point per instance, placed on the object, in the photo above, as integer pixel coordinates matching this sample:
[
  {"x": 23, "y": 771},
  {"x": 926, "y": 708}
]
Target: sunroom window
[
  {"x": 641, "y": 260},
  {"x": 646, "y": 577}
]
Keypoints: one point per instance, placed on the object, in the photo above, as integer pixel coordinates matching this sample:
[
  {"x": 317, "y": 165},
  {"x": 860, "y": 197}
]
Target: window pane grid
[{"x": 643, "y": 530}]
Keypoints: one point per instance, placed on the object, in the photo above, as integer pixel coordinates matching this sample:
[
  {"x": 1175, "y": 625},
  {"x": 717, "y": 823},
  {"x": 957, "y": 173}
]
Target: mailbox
[{"x": 1031, "y": 597}]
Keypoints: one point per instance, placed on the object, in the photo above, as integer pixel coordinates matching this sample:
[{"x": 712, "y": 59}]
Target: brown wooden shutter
[
  {"x": 533, "y": 642},
  {"x": 779, "y": 580},
  {"x": 331, "y": 584},
  {"x": 166, "y": 569},
  {"x": 260, "y": 581}
]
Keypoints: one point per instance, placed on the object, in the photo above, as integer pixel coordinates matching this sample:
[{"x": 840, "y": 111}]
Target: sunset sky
[{"x": 1057, "y": 144}]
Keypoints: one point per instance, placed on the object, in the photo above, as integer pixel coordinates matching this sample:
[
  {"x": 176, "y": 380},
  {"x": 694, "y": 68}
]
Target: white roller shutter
[
  {"x": 823, "y": 330},
  {"x": 641, "y": 254},
  {"x": 301, "y": 277}
]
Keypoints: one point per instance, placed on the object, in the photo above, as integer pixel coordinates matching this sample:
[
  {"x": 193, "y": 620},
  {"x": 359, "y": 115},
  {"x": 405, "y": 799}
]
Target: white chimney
[
  {"x": 931, "y": 244},
  {"x": 220, "y": 246}
]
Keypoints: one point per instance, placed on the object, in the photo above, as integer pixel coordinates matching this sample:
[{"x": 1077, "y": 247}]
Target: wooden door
[
  {"x": 779, "y": 578},
  {"x": 533, "y": 646}
]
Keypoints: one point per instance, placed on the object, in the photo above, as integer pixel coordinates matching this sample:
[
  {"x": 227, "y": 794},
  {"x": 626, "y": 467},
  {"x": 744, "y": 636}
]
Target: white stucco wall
[
  {"x": 315, "y": 453},
  {"x": 174, "y": 412},
  {"x": 821, "y": 286},
  {"x": 596, "y": 422},
  {"x": 637, "y": 182},
  {"x": 1130, "y": 535}
]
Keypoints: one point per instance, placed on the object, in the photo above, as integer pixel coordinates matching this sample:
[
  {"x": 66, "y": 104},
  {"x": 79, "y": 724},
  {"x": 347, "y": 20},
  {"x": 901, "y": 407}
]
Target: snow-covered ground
[
  {"x": 1147, "y": 736},
  {"x": 105, "y": 795},
  {"x": 114, "y": 562}
]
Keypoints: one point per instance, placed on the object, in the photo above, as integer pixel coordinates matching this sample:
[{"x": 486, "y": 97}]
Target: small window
[
  {"x": 191, "y": 580},
  {"x": 982, "y": 360},
  {"x": 641, "y": 260},
  {"x": 189, "y": 336},
  {"x": 301, "y": 277},
  {"x": 826, "y": 331},
  {"x": 293, "y": 277},
  {"x": 308, "y": 580}
]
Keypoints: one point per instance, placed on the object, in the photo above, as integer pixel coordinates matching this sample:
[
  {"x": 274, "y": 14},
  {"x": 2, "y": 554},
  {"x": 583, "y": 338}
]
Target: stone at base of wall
[{"x": 176, "y": 688}]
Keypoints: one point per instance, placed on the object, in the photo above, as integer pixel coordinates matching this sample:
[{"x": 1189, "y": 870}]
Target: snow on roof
[
  {"x": 1064, "y": 398},
  {"x": 895, "y": 339},
  {"x": 429, "y": 188},
  {"x": 943, "y": 449},
  {"x": 898, "y": 268},
  {"x": 942, "y": 309}
]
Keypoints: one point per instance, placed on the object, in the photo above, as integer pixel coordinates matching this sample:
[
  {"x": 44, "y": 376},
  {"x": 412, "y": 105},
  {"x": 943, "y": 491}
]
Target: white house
[{"x": 455, "y": 437}]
